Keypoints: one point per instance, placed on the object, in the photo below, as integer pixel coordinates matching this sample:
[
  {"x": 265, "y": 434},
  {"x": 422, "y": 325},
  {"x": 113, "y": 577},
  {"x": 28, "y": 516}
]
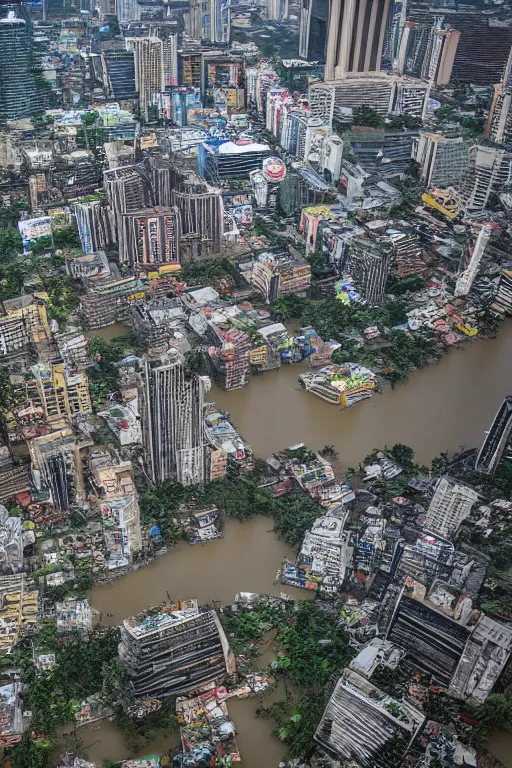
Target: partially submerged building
[
  {"x": 442, "y": 635},
  {"x": 366, "y": 726},
  {"x": 175, "y": 651}
]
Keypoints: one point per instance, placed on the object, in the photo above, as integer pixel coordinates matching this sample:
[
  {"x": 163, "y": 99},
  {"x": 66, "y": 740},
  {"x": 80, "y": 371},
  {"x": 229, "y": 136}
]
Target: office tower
[
  {"x": 358, "y": 726},
  {"x": 382, "y": 92},
  {"x": 355, "y": 36},
  {"x": 127, "y": 10},
  {"x": 57, "y": 468},
  {"x": 20, "y": 94},
  {"x": 426, "y": 50},
  {"x": 149, "y": 69},
  {"x": 175, "y": 651},
  {"x": 128, "y": 189},
  {"x": 368, "y": 266},
  {"x": 442, "y": 159},
  {"x": 478, "y": 42},
  {"x": 313, "y": 20},
  {"x": 95, "y": 225},
  {"x": 496, "y": 439},
  {"x": 156, "y": 235},
  {"x": 118, "y": 69},
  {"x": 201, "y": 216},
  {"x": 449, "y": 507},
  {"x": 277, "y": 10},
  {"x": 172, "y": 420},
  {"x": 489, "y": 169},
  {"x": 499, "y": 123},
  {"x": 219, "y": 28},
  {"x": 167, "y": 32},
  {"x": 230, "y": 161}
]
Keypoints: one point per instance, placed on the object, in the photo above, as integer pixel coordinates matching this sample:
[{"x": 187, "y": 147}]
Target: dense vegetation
[
  {"x": 54, "y": 695},
  {"x": 398, "y": 353},
  {"x": 239, "y": 498},
  {"x": 311, "y": 654},
  {"x": 103, "y": 374}
]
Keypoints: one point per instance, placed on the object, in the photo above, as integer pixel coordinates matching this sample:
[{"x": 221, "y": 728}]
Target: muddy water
[
  {"x": 109, "y": 332},
  {"x": 500, "y": 746},
  {"x": 443, "y": 406},
  {"x": 246, "y": 560}
]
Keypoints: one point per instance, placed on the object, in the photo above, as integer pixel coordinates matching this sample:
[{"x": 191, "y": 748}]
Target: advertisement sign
[{"x": 32, "y": 229}]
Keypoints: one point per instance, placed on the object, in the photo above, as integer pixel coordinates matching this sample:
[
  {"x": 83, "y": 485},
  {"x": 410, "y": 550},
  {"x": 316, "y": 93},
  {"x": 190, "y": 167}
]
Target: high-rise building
[
  {"x": 95, "y": 225},
  {"x": 442, "y": 159},
  {"x": 449, "y": 507},
  {"x": 368, "y": 265},
  {"x": 489, "y": 169},
  {"x": 149, "y": 69},
  {"x": 355, "y": 36},
  {"x": 57, "y": 468},
  {"x": 219, "y": 27},
  {"x": 277, "y": 10},
  {"x": 472, "y": 46},
  {"x": 172, "y": 419},
  {"x": 118, "y": 69},
  {"x": 175, "y": 651},
  {"x": 382, "y": 92},
  {"x": 20, "y": 93},
  {"x": 127, "y": 10},
  {"x": 499, "y": 123},
  {"x": 201, "y": 215},
  {"x": 128, "y": 189},
  {"x": 167, "y": 31},
  {"x": 156, "y": 235},
  {"x": 313, "y": 20},
  {"x": 427, "y": 51},
  {"x": 209, "y": 20},
  {"x": 496, "y": 440}
]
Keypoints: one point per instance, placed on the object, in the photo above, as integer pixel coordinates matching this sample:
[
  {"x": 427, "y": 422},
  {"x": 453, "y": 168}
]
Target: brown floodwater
[
  {"x": 109, "y": 332},
  {"x": 245, "y": 560},
  {"x": 442, "y": 407}
]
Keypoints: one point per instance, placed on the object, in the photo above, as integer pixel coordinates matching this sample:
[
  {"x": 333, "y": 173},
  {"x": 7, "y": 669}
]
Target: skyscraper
[
  {"x": 155, "y": 235},
  {"x": 167, "y": 32},
  {"x": 450, "y": 505},
  {"x": 95, "y": 226},
  {"x": 119, "y": 74},
  {"x": 201, "y": 215},
  {"x": 277, "y": 9},
  {"x": 127, "y": 10},
  {"x": 496, "y": 439},
  {"x": 20, "y": 95},
  {"x": 172, "y": 420},
  {"x": 149, "y": 69},
  {"x": 313, "y": 19},
  {"x": 128, "y": 189},
  {"x": 355, "y": 36}
]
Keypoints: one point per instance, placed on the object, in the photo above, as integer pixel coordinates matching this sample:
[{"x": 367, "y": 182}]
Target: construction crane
[{"x": 465, "y": 280}]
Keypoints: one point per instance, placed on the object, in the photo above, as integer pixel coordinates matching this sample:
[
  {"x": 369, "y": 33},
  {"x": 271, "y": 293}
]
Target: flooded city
[{"x": 442, "y": 406}]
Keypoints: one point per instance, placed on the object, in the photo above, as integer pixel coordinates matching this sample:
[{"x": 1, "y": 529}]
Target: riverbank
[
  {"x": 442, "y": 406},
  {"x": 245, "y": 560}
]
